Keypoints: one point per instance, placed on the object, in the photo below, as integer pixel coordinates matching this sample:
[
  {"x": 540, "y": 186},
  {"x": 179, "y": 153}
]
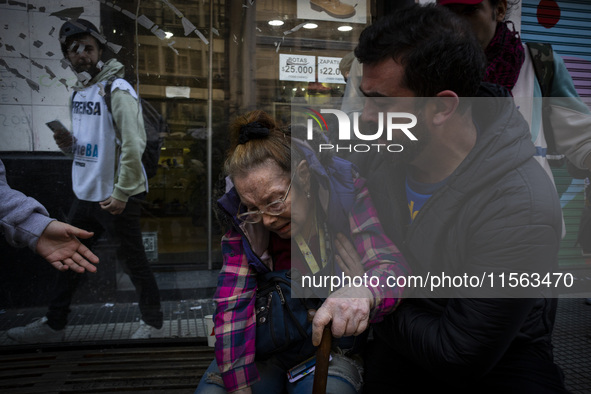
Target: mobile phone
[
  {"x": 56, "y": 125},
  {"x": 302, "y": 369}
]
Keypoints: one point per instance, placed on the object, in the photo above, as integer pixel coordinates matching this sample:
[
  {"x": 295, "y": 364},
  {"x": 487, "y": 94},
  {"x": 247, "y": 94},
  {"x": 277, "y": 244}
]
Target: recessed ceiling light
[
  {"x": 276, "y": 22},
  {"x": 310, "y": 26},
  {"x": 345, "y": 28}
]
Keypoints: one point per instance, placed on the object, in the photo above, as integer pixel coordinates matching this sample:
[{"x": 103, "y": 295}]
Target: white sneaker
[
  {"x": 145, "y": 331},
  {"x": 36, "y": 332}
]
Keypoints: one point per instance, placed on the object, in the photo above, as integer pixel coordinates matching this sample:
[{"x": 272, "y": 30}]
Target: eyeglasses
[{"x": 275, "y": 208}]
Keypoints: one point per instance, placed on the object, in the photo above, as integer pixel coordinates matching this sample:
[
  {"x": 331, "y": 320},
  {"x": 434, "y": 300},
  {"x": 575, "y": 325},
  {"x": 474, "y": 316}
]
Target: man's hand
[
  {"x": 60, "y": 246},
  {"x": 113, "y": 206},
  {"x": 63, "y": 139},
  {"x": 348, "y": 308},
  {"x": 347, "y": 257}
]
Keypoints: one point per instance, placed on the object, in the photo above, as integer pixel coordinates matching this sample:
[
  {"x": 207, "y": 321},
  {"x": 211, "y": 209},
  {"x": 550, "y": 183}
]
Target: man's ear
[
  {"x": 303, "y": 175},
  {"x": 444, "y": 106}
]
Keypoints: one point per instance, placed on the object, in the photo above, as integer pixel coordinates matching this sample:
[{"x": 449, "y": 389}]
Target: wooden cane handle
[{"x": 322, "y": 358}]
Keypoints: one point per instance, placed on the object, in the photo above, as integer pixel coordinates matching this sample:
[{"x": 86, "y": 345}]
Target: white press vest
[{"x": 97, "y": 144}]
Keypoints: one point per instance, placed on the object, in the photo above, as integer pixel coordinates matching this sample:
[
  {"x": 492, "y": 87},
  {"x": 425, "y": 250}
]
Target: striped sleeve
[
  {"x": 235, "y": 325},
  {"x": 380, "y": 257}
]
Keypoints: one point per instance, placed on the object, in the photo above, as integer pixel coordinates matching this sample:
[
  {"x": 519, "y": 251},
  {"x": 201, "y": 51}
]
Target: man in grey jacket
[
  {"x": 466, "y": 201},
  {"x": 26, "y": 222}
]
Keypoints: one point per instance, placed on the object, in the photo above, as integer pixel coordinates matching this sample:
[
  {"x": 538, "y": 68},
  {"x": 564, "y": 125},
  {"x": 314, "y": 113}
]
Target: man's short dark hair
[{"x": 436, "y": 48}]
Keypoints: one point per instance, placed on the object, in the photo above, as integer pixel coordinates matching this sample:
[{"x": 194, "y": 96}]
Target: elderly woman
[{"x": 290, "y": 212}]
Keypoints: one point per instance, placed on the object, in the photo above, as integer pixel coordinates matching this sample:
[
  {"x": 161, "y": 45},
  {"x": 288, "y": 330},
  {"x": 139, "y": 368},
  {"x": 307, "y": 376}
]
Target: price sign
[
  {"x": 297, "y": 68},
  {"x": 328, "y": 70}
]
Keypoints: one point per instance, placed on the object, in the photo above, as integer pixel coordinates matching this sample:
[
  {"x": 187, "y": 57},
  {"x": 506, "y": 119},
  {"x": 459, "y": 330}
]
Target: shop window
[{"x": 199, "y": 71}]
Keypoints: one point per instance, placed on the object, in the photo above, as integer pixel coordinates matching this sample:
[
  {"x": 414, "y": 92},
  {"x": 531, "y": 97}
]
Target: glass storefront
[{"x": 199, "y": 64}]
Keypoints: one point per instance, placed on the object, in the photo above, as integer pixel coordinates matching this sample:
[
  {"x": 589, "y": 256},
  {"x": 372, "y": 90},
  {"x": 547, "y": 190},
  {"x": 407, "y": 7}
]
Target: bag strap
[
  {"x": 108, "y": 87},
  {"x": 542, "y": 57},
  {"x": 107, "y": 97},
  {"x": 543, "y": 61}
]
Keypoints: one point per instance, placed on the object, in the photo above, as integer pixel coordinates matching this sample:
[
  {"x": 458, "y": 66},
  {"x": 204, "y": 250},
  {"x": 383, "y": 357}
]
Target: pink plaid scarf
[{"x": 505, "y": 55}]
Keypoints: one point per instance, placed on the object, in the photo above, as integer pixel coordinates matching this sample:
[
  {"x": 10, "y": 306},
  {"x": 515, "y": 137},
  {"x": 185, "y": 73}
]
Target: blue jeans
[
  {"x": 344, "y": 377},
  {"x": 126, "y": 231}
]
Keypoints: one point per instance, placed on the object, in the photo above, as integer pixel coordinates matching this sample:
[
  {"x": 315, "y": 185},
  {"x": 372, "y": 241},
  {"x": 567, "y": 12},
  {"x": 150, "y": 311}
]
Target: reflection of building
[
  {"x": 197, "y": 62},
  {"x": 189, "y": 84}
]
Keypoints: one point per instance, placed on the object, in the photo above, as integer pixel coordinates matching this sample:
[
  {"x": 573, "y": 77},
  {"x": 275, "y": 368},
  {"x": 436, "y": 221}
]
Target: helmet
[{"x": 78, "y": 26}]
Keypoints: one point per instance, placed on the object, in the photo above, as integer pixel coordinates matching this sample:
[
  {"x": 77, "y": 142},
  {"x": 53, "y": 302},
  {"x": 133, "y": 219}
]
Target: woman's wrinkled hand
[{"x": 348, "y": 309}]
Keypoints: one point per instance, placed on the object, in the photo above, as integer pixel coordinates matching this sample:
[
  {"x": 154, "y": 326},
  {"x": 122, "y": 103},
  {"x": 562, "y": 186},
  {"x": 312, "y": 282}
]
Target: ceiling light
[
  {"x": 345, "y": 28},
  {"x": 168, "y": 34},
  {"x": 276, "y": 22},
  {"x": 310, "y": 26}
]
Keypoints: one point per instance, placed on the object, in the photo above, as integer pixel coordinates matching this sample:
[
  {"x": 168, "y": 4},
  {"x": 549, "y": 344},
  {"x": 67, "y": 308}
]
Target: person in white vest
[{"x": 108, "y": 179}]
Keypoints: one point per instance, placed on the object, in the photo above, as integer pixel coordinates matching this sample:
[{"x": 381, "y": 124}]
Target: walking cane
[{"x": 322, "y": 358}]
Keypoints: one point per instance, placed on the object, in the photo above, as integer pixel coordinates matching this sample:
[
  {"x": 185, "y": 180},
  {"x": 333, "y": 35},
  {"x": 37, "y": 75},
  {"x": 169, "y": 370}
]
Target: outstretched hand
[{"x": 60, "y": 246}]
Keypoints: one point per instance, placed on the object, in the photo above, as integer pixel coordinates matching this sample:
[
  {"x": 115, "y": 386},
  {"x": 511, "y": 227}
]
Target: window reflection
[{"x": 198, "y": 70}]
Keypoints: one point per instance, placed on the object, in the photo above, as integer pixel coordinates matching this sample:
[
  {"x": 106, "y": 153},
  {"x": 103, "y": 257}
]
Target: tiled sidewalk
[
  {"x": 116, "y": 322},
  {"x": 572, "y": 343},
  {"x": 184, "y": 321}
]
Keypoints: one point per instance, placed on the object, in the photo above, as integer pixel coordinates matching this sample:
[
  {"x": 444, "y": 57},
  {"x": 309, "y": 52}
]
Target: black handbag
[{"x": 282, "y": 326}]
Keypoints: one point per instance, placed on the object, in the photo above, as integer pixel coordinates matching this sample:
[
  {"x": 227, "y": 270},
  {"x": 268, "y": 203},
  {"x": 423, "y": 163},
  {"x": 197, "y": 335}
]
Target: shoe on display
[
  {"x": 317, "y": 87},
  {"x": 334, "y": 8},
  {"x": 146, "y": 331},
  {"x": 36, "y": 332}
]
